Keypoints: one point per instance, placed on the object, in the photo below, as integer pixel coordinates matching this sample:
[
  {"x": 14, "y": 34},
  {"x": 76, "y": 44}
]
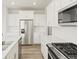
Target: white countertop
[{"x": 6, "y": 51}]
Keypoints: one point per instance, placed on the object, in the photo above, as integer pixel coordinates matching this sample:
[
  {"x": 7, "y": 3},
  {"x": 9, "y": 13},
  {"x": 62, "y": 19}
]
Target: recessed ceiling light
[
  {"x": 13, "y": 3},
  {"x": 34, "y": 3}
]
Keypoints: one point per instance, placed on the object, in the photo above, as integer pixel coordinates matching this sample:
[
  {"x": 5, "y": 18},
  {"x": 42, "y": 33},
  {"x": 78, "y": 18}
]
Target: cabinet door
[
  {"x": 39, "y": 20},
  {"x": 71, "y": 1},
  {"x": 26, "y": 15},
  {"x": 50, "y": 14},
  {"x": 65, "y": 3},
  {"x": 9, "y": 56},
  {"x": 13, "y": 54},
  {"x": 13, "y": 20},
  {"x": 59, "y": 4},
  {"x": 13, "y": 24}
]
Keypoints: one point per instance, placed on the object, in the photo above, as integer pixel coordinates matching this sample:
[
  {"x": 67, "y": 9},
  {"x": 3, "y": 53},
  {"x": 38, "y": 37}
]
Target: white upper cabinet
[
  {"x": 13, "y": 24},
  {"x": 59, "y": 4},
  {"x": 26, "y": 14},
  {"x": 13, "y": 20},
  {"x": 39, "y": 20},
  {"x": 50, "y": 14},
  {"x": 65, "y": 3}
]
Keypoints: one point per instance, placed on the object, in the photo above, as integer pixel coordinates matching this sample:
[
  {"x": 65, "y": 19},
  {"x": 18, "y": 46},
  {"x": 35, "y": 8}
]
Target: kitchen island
[{"x": 10, "y": 49}]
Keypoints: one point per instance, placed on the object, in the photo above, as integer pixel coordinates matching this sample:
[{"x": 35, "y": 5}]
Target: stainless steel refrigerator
[{"x": 27, "y": 31}]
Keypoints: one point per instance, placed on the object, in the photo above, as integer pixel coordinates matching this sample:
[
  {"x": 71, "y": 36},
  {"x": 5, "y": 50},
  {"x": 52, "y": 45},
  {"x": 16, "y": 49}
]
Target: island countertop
[{"x": 7, "y": 50}]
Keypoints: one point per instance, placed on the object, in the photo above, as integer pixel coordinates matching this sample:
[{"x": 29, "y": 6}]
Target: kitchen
[{"x": 38, "y": 22}]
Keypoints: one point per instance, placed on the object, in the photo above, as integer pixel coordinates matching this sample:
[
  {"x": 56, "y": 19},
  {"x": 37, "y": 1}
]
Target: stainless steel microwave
[{"x": 68, "y": 15}]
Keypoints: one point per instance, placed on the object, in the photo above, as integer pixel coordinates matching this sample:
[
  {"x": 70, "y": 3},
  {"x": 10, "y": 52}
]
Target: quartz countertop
[{"x": 7, "y": 50}]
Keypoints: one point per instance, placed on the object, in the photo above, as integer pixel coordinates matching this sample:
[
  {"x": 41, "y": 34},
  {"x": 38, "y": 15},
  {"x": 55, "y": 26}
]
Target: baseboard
[{"x": 30, "y": 44}]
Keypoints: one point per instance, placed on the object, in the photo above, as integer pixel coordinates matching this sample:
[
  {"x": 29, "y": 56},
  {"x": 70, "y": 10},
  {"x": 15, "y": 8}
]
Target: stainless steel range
[{"x": 62, "y": 51}]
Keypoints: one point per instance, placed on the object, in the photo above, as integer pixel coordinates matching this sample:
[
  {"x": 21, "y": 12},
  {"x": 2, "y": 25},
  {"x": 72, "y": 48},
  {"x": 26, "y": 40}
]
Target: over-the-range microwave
[{"x": 68, "y": 15}]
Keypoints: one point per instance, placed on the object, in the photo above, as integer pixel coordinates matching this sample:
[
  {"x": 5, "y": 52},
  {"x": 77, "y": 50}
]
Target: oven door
[{"x": 52, "y": 55}]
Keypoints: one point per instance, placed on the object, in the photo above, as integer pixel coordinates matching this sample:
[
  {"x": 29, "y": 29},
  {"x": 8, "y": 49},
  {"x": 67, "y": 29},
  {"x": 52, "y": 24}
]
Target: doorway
[{"x": 26, "y": 30}]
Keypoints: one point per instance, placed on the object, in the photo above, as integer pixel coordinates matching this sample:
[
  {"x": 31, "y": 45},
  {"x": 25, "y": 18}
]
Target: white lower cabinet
[{"x": 13, "y": 54}]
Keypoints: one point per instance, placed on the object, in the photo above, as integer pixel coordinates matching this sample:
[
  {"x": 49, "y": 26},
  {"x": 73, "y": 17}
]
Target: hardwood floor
[{"x": 31, "y": 52}]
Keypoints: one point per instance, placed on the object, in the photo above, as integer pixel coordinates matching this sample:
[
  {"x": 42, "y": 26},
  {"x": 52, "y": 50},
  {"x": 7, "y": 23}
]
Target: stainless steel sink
[{"x": 5, "y": 44}]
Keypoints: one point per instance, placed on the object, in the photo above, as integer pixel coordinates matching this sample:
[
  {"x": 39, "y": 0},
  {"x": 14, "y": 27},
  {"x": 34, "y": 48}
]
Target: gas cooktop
[{"x": 68, "y": 49}]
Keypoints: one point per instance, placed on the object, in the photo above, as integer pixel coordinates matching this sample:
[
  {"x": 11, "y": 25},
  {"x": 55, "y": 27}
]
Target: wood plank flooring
[{"x": 31, "y": 52}]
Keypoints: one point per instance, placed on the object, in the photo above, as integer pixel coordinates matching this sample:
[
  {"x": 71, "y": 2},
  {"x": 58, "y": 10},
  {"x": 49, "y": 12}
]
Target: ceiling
[{"x": 27, "y": 4}]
